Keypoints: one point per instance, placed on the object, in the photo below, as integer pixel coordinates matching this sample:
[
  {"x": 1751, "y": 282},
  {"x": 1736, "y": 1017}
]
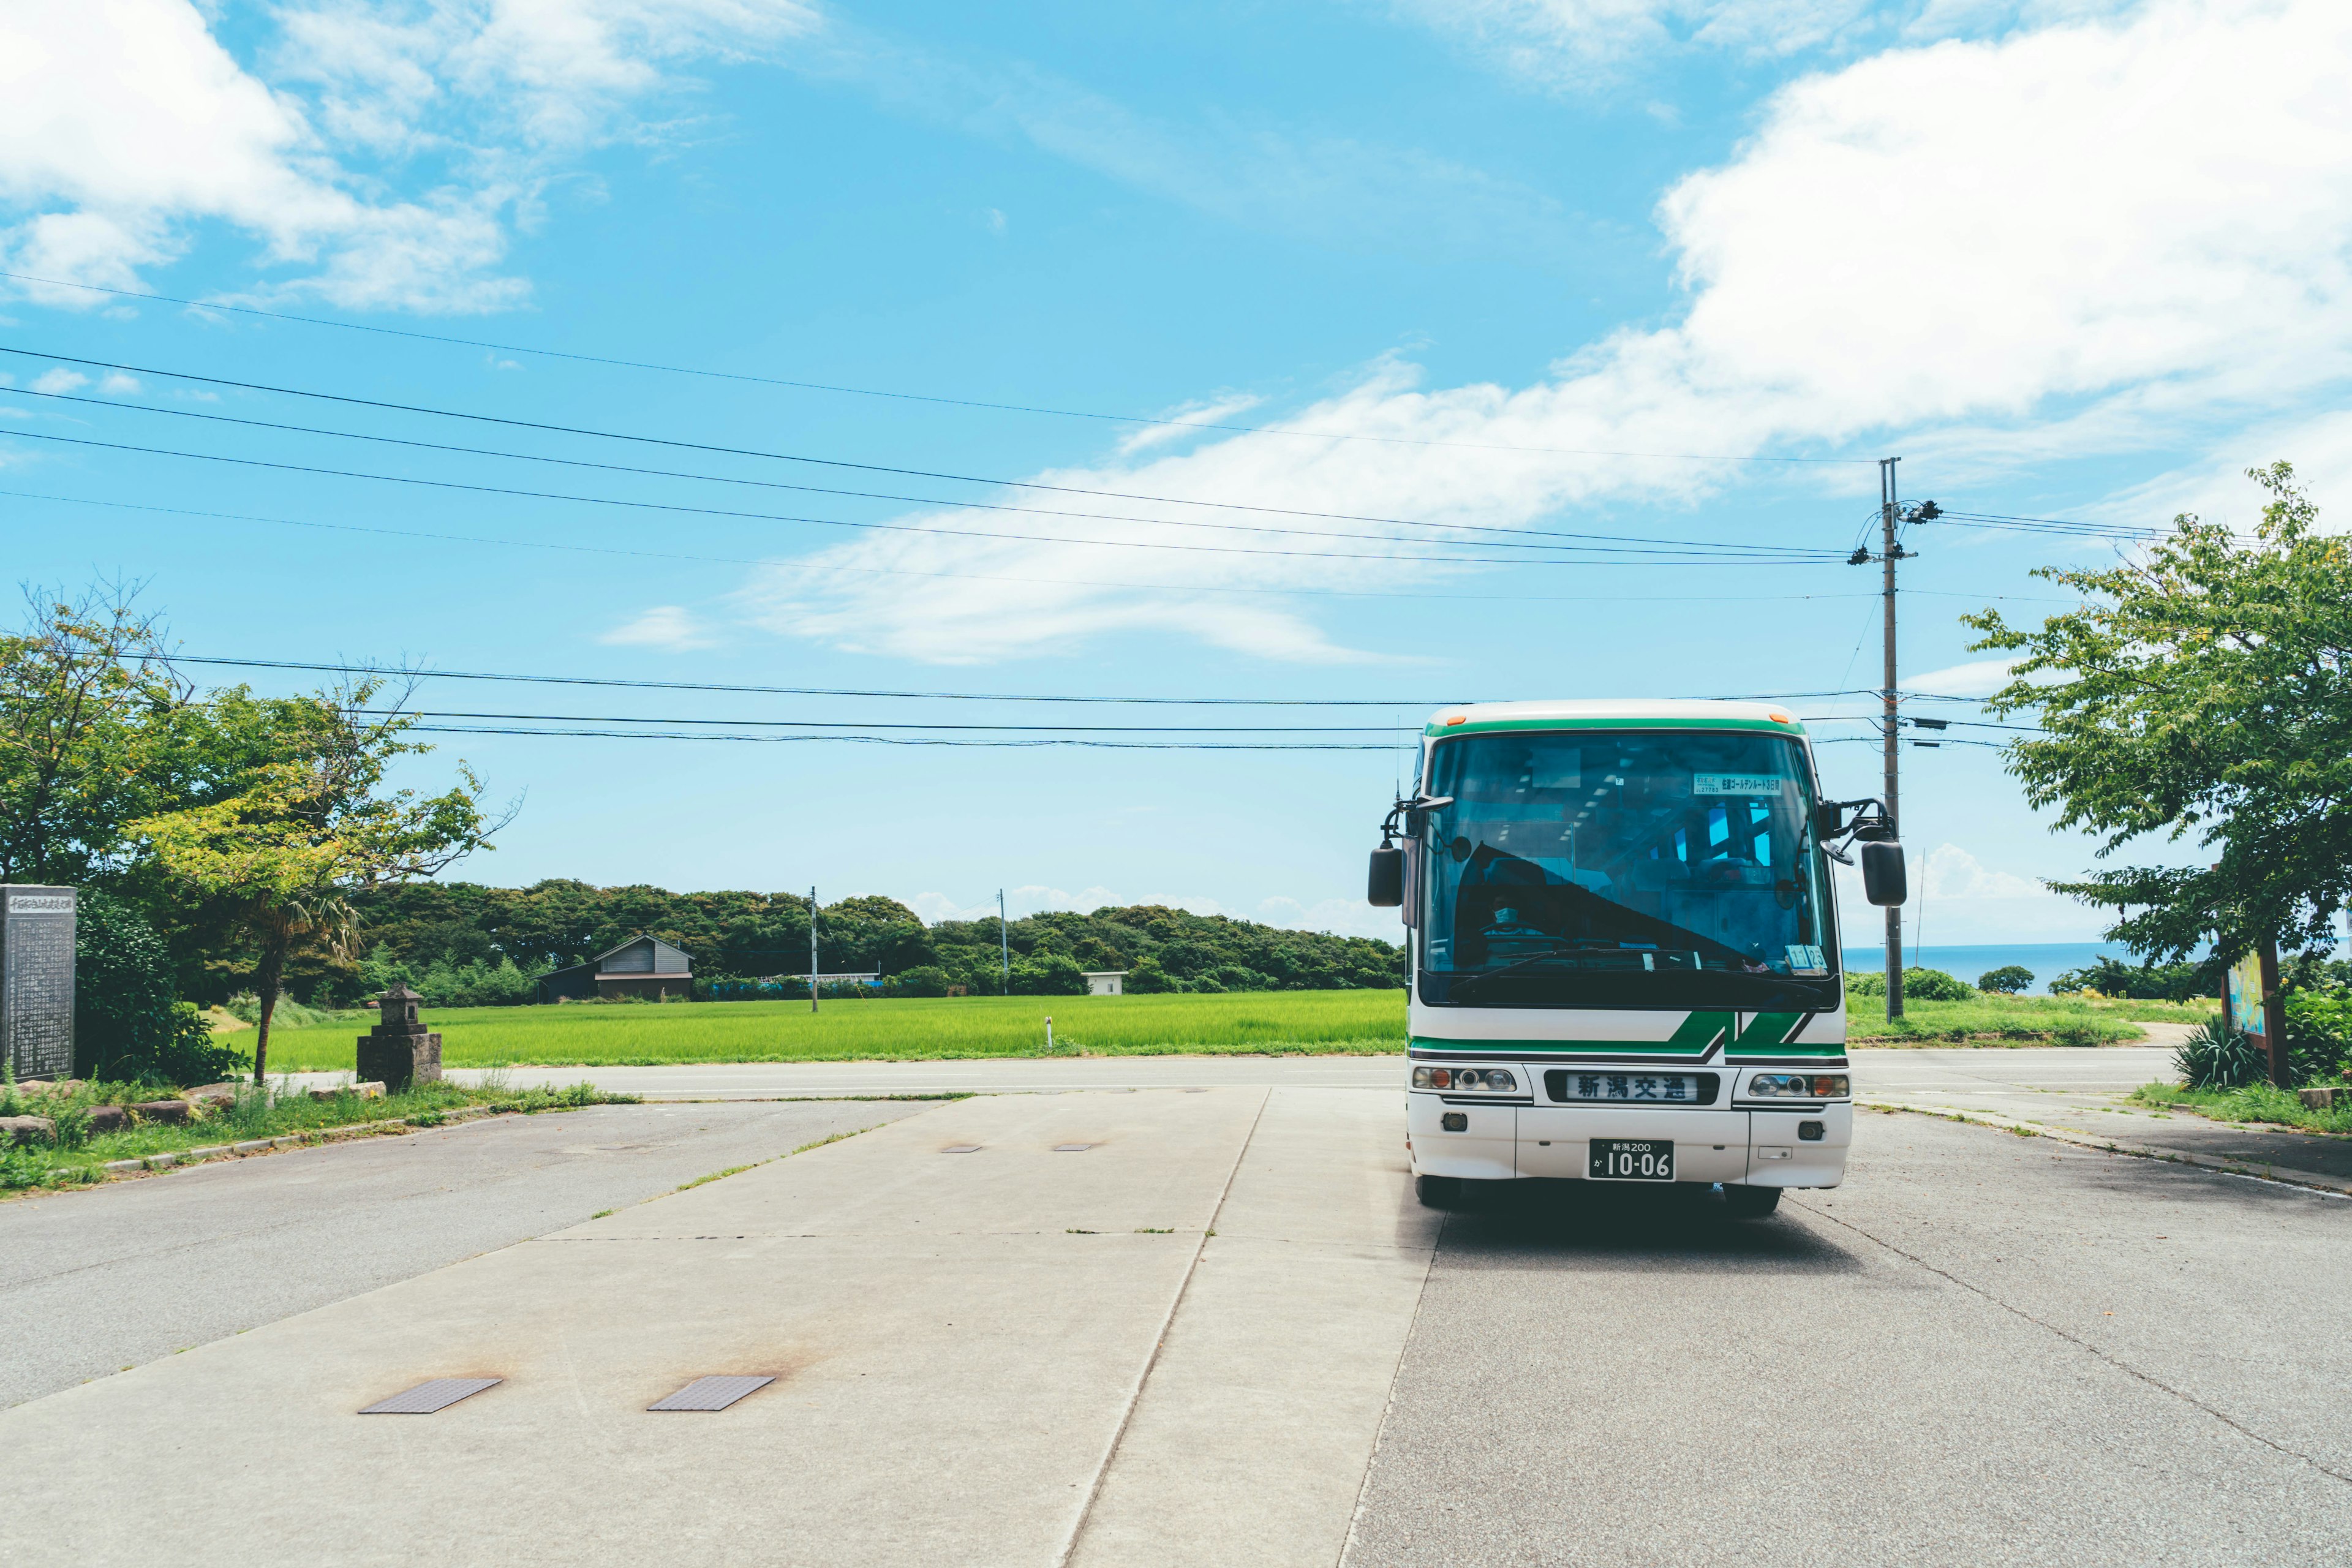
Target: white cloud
[
  {"x": 1963, "y": 901},
  {"x": 1216, "y": 410},
  {"x": 125, "y": 124},
  {"x": 117, "y": 385},
  {"x": 1978, "y": 678},
  {"x": 2026, "y": 247},
  {"x": 1576, "y": 42},
  {"x": 1583, "y": 44},
  {"x": 59, "y": 380},
  {"x": 665, "y": 626}
]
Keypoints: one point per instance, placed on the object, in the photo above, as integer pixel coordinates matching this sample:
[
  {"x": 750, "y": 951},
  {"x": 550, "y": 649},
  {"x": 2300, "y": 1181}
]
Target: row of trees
[
  {"x": 233, "y": 830},
  {"x": 447, "y": 938}
]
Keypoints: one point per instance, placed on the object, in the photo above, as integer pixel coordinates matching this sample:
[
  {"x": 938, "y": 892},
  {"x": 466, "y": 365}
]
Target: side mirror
[
  {"x": 1829, "y": 820},
  {"x": 1384, "y": 887},
  {"x": 1883, "y": 879}
]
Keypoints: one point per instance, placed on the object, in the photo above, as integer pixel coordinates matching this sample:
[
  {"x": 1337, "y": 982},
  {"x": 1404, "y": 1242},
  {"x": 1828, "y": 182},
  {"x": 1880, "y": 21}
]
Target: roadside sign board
[{"x": 2244, "y": 984}]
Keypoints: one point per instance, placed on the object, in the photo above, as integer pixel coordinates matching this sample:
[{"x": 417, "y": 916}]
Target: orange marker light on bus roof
[
  {"x": 1778, "y": 717},
  {"x": 1459, "y": 719}
]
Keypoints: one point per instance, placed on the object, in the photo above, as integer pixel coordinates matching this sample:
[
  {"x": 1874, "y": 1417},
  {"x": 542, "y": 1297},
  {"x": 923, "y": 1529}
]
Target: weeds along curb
[
  {"x": 2336, "y": 1185},
  {"x": 173, "y": 1158}
]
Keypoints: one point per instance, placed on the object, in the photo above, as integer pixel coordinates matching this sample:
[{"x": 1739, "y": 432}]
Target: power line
[
  {"x": 698, "y": 445},
  {"x": 1398, "y": 702},
  {"x": 873, "y": 724},
  {"x": 918, "y": 396},
  {"x": 1513, "y": 534},
  {"x": 911, "y": 741},
  {"x": 834, "y": 569},
  {"x": 1659, "y": 558}
]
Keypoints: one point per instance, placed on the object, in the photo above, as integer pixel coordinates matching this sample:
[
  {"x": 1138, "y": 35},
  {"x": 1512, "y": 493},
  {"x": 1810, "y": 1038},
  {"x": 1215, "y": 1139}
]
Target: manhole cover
[
  {"x": 1072, "y": 1148},
  {"x": 712, "y": 1393},
  {"x": 961, "y": 1149},
  {"x": 427, "y": 1397}
]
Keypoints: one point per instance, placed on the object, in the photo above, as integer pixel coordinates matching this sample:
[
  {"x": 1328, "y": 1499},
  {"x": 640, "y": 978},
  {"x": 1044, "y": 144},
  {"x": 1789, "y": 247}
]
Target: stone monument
[
  {"x": 399, "y": 1051},
  {"x": 36, "y": 980}
]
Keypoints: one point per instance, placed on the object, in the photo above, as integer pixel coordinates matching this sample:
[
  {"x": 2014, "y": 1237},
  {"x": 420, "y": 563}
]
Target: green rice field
[
  {"x": 1288, "y": 1022},
  {"x": 1274, "y": 1022}
]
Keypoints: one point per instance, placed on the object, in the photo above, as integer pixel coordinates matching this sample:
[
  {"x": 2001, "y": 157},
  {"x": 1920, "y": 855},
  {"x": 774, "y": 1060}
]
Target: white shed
[{"x": 1106, "y": 982}]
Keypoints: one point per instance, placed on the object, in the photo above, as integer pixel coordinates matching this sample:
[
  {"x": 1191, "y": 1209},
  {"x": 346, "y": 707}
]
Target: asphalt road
[
  {"x": 1982, "y": 1349},
  {"x": 100, "y": 1281}
]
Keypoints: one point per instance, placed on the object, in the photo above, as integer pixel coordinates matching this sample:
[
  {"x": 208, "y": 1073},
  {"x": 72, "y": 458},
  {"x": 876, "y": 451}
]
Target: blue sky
[{"x": 1447, "y": 256}]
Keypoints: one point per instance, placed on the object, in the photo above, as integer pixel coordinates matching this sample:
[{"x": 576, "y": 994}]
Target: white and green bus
[{"x": 1624, "y": 948}]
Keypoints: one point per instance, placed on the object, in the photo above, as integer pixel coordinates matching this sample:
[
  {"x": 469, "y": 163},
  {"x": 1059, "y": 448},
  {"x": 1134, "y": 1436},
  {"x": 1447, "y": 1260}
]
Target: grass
[
  {"x": 924, "y": 1029},
  {"x": 2256, "y": 1102},
  {"x": 80, "y": 1157},
  {"x": 2012, "y": 1021},
  {"x": 1283, "y": 1022}
]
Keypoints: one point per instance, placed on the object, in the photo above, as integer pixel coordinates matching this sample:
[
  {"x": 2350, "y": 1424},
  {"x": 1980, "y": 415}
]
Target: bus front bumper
[{"x": 1506, "y": 1143}]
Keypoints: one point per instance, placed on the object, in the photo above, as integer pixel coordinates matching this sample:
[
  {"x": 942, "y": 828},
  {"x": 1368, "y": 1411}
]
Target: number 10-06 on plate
[{"x": 1632, "y": 1160}]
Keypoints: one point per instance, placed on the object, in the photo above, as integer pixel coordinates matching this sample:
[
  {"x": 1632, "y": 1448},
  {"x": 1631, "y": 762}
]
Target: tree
[
  {"x": 79, "y": 689},
  {"x": 2203, "y": 694},
  {"x": 282, "y": 856},
  {"x": 2006, "y": 980}
]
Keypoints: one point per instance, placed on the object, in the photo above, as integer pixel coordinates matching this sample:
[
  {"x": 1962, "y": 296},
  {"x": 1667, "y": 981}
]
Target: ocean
[{"x": 2047, "y": 960}]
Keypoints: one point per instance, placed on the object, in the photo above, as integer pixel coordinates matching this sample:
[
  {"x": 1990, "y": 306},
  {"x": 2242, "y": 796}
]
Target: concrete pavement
[
  {"x": 991, "y": 1347},
  {"x": 96, "y": 1281},
  {"x": 2084, "y": 1093}
]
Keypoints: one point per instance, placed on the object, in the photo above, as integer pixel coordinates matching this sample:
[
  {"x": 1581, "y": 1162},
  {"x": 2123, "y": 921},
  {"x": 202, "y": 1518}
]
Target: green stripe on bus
[{"x": 1614, "y": 721}]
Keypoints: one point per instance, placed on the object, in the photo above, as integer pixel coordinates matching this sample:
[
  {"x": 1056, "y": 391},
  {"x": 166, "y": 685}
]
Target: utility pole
[
  {"x": 1003, "y": 943},
  {"x": 1889, "y": 553},
  {"x": 812, "y": 950},
  {"x": 1891, "y": 513}
]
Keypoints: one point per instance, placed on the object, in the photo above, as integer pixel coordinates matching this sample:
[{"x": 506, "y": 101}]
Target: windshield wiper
[{"x": 1563, "y": 951}]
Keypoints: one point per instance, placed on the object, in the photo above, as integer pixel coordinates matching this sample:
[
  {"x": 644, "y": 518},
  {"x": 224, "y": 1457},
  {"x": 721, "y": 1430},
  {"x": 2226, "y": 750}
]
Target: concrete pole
[
  {"x": 812, "y": 950},
  {"x": 1891, "y": 720}
]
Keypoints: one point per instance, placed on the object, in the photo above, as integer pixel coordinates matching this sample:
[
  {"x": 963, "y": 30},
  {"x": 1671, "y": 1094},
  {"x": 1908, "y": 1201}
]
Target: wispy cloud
[
  {"x": 668, "y": 628},
  {"x": 125, "y": 124}
]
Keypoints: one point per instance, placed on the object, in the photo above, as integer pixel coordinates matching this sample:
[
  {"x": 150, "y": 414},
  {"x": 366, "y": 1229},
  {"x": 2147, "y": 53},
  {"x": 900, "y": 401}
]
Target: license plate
[{"x": 1632, "y": 1160}]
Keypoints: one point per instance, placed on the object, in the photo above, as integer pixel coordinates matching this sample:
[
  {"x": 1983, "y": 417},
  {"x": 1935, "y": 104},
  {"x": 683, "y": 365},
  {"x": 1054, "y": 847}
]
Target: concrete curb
[
  {"x": 173, "y": 1159},
  {"x": 2338, "y": 1185}
]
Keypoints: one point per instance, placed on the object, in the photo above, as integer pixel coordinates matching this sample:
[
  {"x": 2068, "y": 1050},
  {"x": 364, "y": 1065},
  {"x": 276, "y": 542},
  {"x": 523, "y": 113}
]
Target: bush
[
  {"x": 2217, "y": 1056},
  {"x": 2006, "y": 980},
  {"x": 1048, "y": 974},
  {"x": 1148, "y": 979},
  {"x": 2143, "y": 983},
  {"x": 1918, "y": 985},
  {"x": 127, "y": 1023},
  {"x": 923, "y": 980}
]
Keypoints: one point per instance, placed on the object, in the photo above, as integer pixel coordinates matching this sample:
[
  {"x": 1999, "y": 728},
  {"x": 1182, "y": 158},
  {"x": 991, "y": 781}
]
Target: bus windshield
[{"x": 1633, "y": 868}]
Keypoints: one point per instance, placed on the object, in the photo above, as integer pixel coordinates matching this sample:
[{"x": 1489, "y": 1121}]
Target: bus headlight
[
  {"x": 1797, "y": 1086},
  {"x": 1472, "y": 1081}
]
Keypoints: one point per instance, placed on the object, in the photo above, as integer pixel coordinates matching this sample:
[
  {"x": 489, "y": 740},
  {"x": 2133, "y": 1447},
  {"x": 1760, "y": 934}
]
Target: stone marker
[
  {"x": 36, "y": 980},
  {"x": 399, "y": 1051}
]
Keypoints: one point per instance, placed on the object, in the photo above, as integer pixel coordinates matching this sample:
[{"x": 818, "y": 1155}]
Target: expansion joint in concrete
[{"x": 1159, "y": 1343}]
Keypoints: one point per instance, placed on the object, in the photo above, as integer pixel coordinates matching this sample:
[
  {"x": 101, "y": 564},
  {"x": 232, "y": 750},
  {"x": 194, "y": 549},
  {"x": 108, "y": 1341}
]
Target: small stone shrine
[
  {"x": 36, "y": 980},
  {"x": 399, "y": 1051}
]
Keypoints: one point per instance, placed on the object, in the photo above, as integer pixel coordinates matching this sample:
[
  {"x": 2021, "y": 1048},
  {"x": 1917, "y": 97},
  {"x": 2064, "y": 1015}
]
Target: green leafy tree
[
  {"x": 2006, "y": 980},
  {"x": 2203, "y": 694},
  {"x": 281, "y": 858},
  {"x": 82, "y": 690}
]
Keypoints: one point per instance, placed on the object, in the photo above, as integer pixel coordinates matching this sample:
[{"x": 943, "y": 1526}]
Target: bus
[{"x": 1623, "y": 947}]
